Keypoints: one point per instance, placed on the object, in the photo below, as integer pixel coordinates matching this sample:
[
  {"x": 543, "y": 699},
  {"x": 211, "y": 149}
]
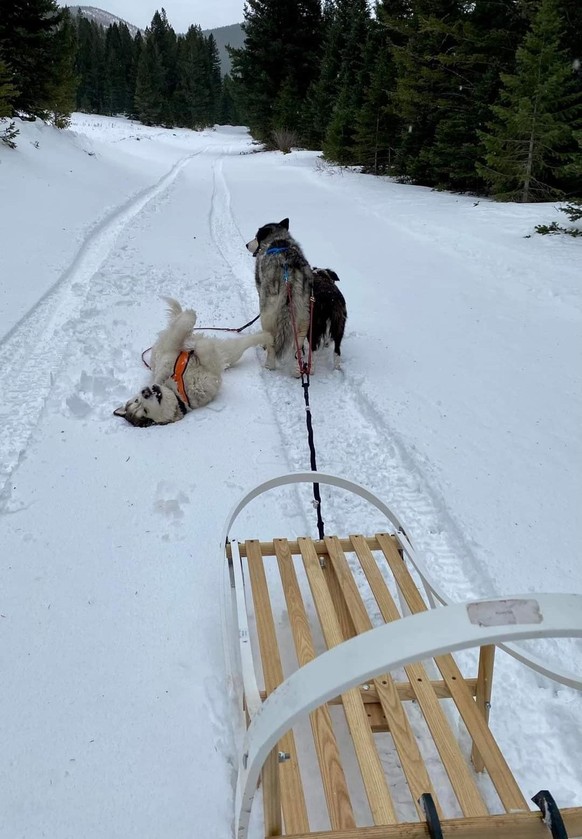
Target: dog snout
[
  {"x": 139, "y": 421},
  {"x": 253, "y": 246},
  {"x": 133, "y": 417}
]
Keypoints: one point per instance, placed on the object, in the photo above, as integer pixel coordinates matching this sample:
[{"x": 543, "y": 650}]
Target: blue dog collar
[{"x": 275, "y": 250}]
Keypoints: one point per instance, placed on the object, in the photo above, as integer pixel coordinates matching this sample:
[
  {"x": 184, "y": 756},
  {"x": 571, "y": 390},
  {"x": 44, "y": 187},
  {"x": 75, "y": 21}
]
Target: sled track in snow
[
  {"x": 32, "y": 353},
  {"x": 225, "y": 235},
  {"x": 369, "y": 451}
]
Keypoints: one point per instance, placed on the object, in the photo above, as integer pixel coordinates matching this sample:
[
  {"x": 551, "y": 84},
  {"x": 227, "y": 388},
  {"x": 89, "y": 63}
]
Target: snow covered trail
[
  {"x": 117, "y": 702},
  {"x": 352, "y": 437},
  {"x": 115, "y": 714},
  {"x": 358, "y": 434},
  {"x": 31, "y": 353},
  {"x": 386, "y": 412}
]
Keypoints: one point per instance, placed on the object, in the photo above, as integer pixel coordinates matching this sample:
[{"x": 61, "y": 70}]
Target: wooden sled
[{"x": 321, "y": 737}]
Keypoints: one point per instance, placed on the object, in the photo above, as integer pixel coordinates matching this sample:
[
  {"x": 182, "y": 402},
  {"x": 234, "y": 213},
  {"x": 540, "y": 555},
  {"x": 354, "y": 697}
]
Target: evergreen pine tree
[
  {"x": 214, "y": 78},
  {"x": 126, "y": 51},
  {"x": 156, "y": 78},
  {"x": 571, "y": 11},
  {"x": 485, "y": 36},
  {"x": 8, "y": 92},
  {"x": 61, "y": 95},
  {"x": 228, "y": 110},
  {"x": 136, "y": 52},
  {"x": 164, "y": 39},
  {"x": 377, "y": 126},
  {"x": 531, "y": 147},
  {"x": 287, "y": 110},
  {"x": 323, "y": 90},
  {"x": 192, "y": 98},
  {"x": 90, "y": 66},
  {"x": 27, "y": 41},
  {"x": 352, "y": 24},
  {"x": 425, "y": 90},
  {"x": 282, "y": 44},
  {"x": 118, "y": 61},
  {"x": 150, "y": 85}
]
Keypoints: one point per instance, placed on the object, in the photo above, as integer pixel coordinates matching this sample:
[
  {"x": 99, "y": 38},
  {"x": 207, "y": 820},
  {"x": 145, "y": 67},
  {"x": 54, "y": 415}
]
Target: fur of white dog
[{"x": 186, "y": 368}]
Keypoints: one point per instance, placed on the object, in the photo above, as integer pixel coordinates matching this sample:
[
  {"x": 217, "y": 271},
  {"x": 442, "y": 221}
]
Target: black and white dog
[
  {"x": 187, "y": 370},
  {"x": 329, "y": 313},
  {"x": 284, "y": 281}
]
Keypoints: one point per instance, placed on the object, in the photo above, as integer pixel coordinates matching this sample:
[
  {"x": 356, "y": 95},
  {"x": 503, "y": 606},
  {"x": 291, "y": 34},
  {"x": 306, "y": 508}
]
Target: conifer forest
[{"x": 482, "y": 97}]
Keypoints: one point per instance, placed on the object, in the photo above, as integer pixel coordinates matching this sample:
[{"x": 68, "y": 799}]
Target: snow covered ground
[{"x": 459, "y": 403}]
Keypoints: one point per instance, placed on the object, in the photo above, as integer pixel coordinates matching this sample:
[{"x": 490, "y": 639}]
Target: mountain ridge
[{"x": 229, "y": 35}]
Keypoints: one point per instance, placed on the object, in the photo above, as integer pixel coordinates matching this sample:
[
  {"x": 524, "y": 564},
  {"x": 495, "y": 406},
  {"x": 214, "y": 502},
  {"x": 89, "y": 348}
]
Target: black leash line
[
  {"x": 208, "y": 329},
  {"x": 316, "y": 493},
  {"x": 225, "y": 328},
  {"x": 305, "y": 370}
]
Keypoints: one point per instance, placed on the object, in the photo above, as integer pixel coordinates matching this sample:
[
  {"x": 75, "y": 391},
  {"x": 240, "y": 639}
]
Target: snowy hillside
[
  {"x": 459, "y": 402},
  {"x": 103, "y": 18}
]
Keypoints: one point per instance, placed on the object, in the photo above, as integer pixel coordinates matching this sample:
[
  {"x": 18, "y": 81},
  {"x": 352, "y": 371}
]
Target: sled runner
[{"x": 360, "y": 722}]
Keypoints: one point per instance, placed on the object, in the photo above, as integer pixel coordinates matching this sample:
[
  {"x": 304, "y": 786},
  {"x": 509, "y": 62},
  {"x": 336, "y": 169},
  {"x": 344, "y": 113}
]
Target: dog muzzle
[
  {"x": 132, "y": 419},
  {"x": 253, "y": 246}
]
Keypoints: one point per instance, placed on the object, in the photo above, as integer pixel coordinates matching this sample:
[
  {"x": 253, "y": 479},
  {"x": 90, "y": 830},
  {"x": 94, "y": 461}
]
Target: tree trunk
[{"x": 530, "y": 154}]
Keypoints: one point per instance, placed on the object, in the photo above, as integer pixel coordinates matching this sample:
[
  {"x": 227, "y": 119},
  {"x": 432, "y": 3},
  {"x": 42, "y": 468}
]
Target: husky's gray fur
[
  {"x": 161, "y": 402},
  {"x": 281, "y": 268}
]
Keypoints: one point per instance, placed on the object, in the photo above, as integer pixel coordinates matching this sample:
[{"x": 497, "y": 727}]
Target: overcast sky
[{"x": 209, "y": 14}]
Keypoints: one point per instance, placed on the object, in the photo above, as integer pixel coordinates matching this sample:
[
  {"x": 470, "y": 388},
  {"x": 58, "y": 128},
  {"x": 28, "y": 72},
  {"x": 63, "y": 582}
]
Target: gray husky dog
[
  {"x": 187, "y": 370},
  {"x": 284, "y": 281}
]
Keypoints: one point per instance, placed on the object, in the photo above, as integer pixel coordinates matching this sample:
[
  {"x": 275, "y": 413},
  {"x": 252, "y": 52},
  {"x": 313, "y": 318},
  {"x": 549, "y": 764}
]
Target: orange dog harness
[{"x": 178, "y": 374}]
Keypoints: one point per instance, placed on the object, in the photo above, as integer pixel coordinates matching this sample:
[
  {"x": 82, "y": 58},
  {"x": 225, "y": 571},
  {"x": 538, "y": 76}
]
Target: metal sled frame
[{"x": 354, "y": 676}]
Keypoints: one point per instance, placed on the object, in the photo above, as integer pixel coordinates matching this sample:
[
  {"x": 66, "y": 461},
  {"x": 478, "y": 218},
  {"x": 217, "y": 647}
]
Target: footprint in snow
[{"x": 170, "y": 501}]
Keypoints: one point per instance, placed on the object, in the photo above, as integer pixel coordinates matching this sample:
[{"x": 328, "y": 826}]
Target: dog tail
[
  {"x": 174, "y": 308},
  {"x": 179, "y": 329},
  {"x": 231, "y": 350}
]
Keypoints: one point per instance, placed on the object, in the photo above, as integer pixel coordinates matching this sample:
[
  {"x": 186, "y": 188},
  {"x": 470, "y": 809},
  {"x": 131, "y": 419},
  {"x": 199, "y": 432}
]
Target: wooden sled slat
[
  {"x": 514, "y": 826},
  {"x": 496, "y": 765},
  {"x": 405, "y": 691},
  {"x": 337, "y": 797},
  {"x": 377, "y": 792},
  {"x": 457, "y": 768},
  {"x": 268, "y": 548},
  {"x": 397, "y": 720},
  {"x": 291, "y": 788}
]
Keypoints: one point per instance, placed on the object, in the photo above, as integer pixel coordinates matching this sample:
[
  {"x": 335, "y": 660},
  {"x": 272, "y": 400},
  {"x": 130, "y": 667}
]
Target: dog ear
[
  {"x": 284, "y": 223},
  {"x": 120, "y": 412},
  {"x": 333, "y": 276}
]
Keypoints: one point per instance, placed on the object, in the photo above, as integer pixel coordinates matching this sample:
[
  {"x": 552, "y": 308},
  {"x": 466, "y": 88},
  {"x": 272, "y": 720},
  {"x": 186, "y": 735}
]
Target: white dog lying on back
[{"x": 187, "y": 370}]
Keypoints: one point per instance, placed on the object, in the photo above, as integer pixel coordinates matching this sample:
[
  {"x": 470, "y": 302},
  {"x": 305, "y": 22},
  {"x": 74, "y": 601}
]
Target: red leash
[{"x": 304, "y": 369}]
